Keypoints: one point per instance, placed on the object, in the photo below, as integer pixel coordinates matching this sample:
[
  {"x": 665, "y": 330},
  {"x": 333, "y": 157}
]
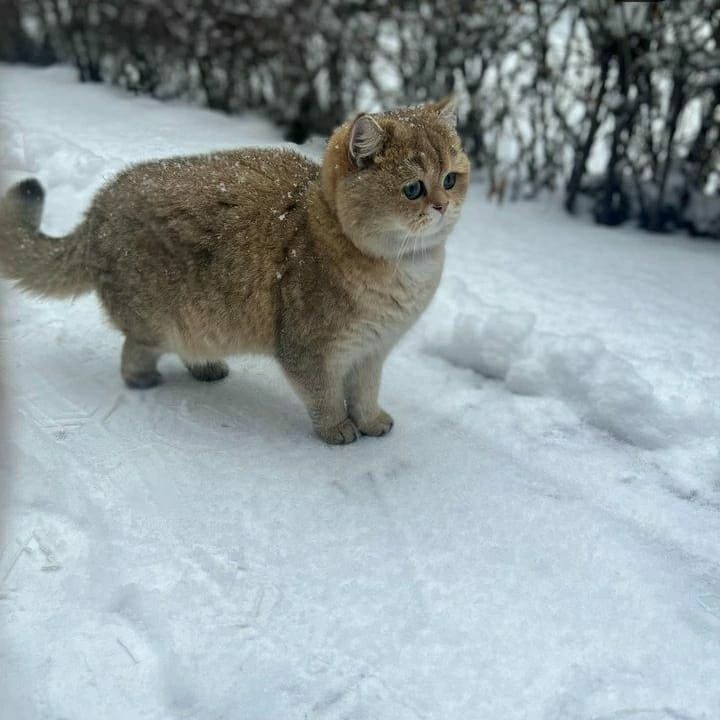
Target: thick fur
[{"x": 263, "y": 251}]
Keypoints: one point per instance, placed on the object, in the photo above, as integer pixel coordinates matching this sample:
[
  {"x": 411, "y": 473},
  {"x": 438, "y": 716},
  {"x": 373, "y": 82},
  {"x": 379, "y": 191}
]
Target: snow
[
  {"x": 603, "y": 388},
  {"x": 537, "y": 538}
]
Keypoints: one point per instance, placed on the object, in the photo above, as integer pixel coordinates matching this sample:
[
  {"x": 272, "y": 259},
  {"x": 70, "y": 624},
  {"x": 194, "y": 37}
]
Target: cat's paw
[
  {"x": 381, "y": 424},
  {"x": 343, "y": 433}
]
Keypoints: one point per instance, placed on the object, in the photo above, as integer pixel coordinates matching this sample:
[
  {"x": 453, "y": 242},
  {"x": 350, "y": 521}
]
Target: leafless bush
[{"x": 615, "y": 104}]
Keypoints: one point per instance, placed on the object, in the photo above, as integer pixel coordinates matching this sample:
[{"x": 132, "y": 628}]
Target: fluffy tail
[{"x": 56, "y": 267}]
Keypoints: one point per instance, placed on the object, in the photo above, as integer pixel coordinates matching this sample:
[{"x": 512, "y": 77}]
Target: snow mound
[
  {"x": 605, "y": 390},
  {"x": 489, "y": 347},
  {"x": 56, "y": 162}
]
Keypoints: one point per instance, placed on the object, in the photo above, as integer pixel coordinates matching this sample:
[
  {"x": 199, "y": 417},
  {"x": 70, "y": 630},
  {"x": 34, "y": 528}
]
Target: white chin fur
[{"x": 406, "y": 243}]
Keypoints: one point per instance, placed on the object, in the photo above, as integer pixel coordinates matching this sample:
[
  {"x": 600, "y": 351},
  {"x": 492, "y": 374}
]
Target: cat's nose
[{"x": 441, "y": 207}]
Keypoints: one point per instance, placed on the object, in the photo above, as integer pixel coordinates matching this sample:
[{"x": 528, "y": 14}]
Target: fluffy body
[{"x": 263, "y": 251}]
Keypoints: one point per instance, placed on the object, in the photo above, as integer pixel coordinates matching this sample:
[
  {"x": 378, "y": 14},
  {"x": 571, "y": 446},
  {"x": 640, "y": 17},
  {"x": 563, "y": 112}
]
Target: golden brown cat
[{"x": 263, "y": 251}]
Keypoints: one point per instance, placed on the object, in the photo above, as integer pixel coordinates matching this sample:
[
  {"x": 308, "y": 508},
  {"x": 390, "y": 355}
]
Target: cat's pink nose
[{"x": 440, "y": 207}]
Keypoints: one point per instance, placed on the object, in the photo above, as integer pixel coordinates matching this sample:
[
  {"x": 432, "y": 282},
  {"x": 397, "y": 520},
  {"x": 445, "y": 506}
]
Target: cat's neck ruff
[{"x": 422, "y": 265}]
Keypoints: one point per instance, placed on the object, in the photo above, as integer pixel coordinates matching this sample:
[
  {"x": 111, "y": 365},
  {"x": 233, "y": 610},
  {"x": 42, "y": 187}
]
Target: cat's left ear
[
  {"x": 447, "y": 110},
  {"x": 366, "y": 139}
]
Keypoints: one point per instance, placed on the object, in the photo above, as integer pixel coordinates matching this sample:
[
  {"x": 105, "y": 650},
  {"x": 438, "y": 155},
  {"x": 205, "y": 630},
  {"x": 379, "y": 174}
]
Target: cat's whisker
[{"x": 403, "y": 245}]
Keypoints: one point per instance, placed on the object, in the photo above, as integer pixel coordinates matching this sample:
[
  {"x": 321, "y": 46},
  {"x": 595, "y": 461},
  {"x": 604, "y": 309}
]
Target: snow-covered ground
[{"x": 538, "y": 538}]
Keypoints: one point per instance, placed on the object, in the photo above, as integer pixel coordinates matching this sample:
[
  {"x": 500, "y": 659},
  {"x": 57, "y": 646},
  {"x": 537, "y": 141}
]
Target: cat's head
[{"x": 397, "y": 181}]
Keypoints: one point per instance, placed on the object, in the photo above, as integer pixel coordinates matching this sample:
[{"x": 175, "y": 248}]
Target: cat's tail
[{"x": 55, "y": 267}]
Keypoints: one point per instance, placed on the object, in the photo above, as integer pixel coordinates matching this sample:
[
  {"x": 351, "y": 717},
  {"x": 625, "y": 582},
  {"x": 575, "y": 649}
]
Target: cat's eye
[
  {"x": 413, "y": 190},
  {"x": 449, "y": 181}
]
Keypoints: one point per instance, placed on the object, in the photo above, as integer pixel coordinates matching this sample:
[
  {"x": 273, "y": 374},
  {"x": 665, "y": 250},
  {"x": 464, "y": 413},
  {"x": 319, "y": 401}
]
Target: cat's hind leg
[
  {"x": 208, "y": 370},
  {"x": 139, "y": 364}
]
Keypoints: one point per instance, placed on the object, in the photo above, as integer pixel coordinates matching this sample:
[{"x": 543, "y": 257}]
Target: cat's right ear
[
  {"x": 447, "y": 110},
  {"x": 366, "y": 139}
]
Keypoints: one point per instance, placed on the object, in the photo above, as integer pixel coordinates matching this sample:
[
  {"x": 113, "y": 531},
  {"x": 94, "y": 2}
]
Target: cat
[{"x": 264, "y": 251}]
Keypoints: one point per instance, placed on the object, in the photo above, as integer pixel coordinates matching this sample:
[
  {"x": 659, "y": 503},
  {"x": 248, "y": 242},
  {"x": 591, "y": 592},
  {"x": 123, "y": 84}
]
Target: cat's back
[
  {"x": 200, "y": 197},
  {"x": 261, "y": 168}
]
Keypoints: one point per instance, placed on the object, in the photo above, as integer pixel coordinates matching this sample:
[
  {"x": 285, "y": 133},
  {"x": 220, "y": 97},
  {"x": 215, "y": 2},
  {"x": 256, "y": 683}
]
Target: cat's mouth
[{"x": 432, "y": 222}]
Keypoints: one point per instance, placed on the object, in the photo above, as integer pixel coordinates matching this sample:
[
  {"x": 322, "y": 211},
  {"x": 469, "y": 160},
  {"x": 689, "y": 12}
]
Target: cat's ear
[
  {"x": 447, "y": 110},
  {"x": 366, "y": 139}
]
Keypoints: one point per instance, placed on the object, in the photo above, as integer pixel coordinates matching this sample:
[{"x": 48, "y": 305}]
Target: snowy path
[{"x": 538, "y": 538}]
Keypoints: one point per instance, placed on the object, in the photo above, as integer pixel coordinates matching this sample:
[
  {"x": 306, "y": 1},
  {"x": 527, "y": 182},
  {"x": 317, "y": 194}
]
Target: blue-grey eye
[
  {"x": 413, "y": 190},
  {"x": 449, "y": 181}
]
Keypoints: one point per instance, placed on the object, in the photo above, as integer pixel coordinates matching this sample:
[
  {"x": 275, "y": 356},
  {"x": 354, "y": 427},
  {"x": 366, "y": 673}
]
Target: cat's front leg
[
  {"x": 320, "y": 386},
  {"x": 362, "y": 388}
]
